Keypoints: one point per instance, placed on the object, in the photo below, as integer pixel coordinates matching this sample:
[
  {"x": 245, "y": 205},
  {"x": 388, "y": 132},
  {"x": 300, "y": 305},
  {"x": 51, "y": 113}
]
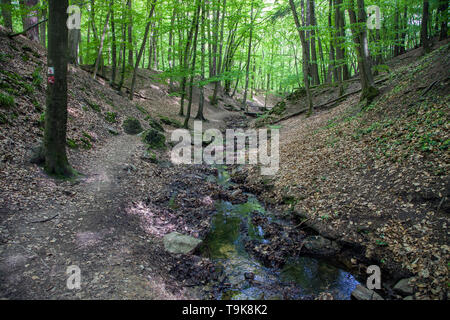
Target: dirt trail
[{"x": 109, "y": 247}]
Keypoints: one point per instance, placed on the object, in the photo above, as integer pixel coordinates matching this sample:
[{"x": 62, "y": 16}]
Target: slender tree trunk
[
  {"x": 314, "y": 65},
  {"x": 424, "y": 30},
  {"x": 186, "y": 59},
  {"x": 219, "y": 66},
  {"x": 130, "y": 33},
  {"x": 360, "y": 38},
  {"x": 191, "y": 81},
  {"x": 43, "y": 27},
  {"x": 301, "y": 33},
  {"x": 201, "y": 101},
  {"x": 75, "y": 39},
  {"x": 141, "y": 51},
  {"x": 249, "y": 54},
  {"x": 30, "y": 19},
  {"x": 54, "y": 143},
  {"x": 443, "y": 10},
  {"x": 102, "y": 40},
  {"x": 6, "y": 13},
  {"x": 113, "y": 49}
]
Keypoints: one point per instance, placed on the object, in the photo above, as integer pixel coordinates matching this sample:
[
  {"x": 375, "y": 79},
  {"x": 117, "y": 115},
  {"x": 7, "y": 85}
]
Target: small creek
[{"x": 246, "y": 278}]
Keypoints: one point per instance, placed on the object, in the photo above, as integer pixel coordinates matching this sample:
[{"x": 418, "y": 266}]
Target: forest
[{"x": 350, "y": 97}]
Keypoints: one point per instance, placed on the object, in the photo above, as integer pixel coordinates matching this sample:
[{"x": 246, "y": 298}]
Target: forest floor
[{"x": 110, "y": 220}]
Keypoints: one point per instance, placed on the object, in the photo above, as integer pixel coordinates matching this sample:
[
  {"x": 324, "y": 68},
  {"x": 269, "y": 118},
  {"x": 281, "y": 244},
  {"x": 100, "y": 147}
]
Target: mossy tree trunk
[
  {"x": 358, "y": 24},
  {"x": 54, "y": 146}
]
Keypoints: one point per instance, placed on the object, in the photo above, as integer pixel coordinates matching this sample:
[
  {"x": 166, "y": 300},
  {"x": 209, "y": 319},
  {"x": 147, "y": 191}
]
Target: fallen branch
[
  {"x": 430, "y": 87},
  {"x": 326, "y": 103},
  {"x": 27, "y": 29},
  {"x": 45, "y": 220}
]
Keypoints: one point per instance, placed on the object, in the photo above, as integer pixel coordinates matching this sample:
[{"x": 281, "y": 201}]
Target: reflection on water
[{"x": 225, "y": 244}]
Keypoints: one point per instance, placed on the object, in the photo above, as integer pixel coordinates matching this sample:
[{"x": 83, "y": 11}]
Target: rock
[
  {"x": 362, "y": 293},
  {"x": 404, "y": 287},
  {"x": 132, "y": 126},
  {"x": 178, "y": 243},
  {"x": 409, "y": 298},
  {"x": 36, "y": 155},
  {"x": 129, "y": 168},
  {"x": 318, "y": 245},
  {"x": 154, "y": 139},
  {"x": 113, "y": 131},
  {"x": 249, "y": 275}
]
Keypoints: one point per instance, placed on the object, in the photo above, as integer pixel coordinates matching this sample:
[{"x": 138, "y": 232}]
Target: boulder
[
  {"x": 318, "y": 245},
  {"x": 404, "y": 287},
  {"x": 362, "y": 293},
  {"x": 178, "y": 243}
]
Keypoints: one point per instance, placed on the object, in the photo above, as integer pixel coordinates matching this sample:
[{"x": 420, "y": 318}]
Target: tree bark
[
  {"x": 54, "y": 144},
  {"x": 369, "y": 92},
  {"x": 30, "y": 18},
  {"x": 75, "y": 39},
  {"x": 6, "y": 13},
  {"x": 102, "y": 40},
  {"x": 301, "y": 34},
  {"x": 424, "y": 29},
  {"x": 138, "y": 59}
]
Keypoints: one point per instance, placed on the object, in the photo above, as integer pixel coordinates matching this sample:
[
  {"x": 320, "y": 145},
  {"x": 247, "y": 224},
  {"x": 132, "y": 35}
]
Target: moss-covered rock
[
  {"x": 154, "y": 139},
  {"x": 132, "y": 126}
]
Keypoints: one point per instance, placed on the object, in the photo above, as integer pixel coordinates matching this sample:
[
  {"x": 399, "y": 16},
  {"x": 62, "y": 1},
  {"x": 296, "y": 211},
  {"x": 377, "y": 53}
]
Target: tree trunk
[
  {"x": 6, "y": 13},
  {"x": 74, "y": 39},
  {"x": 191, "y": 81},
  {"x": 249, "y": 54},
  {"x": 30, "y": 18},
  {"x": 314, "y": 65},
  {"x": 113, "y": 48},
  {"x": 130, "y": 33},
  {"x": 424, "y": 30},
  {"x": 102, "y": 40},
  {"x": 54, "y": 145},
  {"x": 369, "y": 92},
  {"x": 201, "y": 101},
  {"x": 141, "y": 51},
  {"x": 43, "y": 28},
  {"x": 443, "y": 10},
  {"x": 301, "y": 33}
]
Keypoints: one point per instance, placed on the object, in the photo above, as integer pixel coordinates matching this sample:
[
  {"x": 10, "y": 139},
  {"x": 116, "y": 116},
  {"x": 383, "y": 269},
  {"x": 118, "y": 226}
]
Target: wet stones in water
[
  {"x": 178, "y": 243},
  {"x": 132, "y": 126},
  {"x": 362, "y": 293},
  {"x": 404, "y": 287},
  {"x": 320, "y": 246},
  {"x": 154, "y": 139}
]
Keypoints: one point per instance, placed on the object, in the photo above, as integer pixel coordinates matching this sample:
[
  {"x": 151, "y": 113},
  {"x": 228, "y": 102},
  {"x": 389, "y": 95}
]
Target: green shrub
[
  {"x": 37, "y": 78},
  {"x": 171, "y": 122},
  {"x": 154, "y": 139},
  {"x": 6, "y": 101},
  {"x": 132, "y": 126},
  {"x": 72, "y": 144},
  {"x": 155, "y": 125},
  {"x": 111, "y": 117}
]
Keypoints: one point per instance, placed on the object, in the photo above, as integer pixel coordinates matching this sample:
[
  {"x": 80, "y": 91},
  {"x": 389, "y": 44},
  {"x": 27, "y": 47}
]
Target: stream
[{"x": 246, "y": 278}]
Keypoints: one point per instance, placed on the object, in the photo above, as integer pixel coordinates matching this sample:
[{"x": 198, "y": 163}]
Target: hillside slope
[{"x": 376, "y": 179}]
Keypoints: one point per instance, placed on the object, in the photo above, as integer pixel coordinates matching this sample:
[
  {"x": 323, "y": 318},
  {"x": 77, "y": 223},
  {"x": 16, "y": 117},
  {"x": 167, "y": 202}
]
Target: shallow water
[{"x": 300, "y": 278}]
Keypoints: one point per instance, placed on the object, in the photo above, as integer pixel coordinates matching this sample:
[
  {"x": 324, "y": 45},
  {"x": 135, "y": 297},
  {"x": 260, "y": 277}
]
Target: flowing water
[{"x": 247, "y": 278}]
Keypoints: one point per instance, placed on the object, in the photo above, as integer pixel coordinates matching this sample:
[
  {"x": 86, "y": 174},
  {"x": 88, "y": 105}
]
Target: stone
[
  {"x": 362, "y": 293},
  {"x": 404, "y": 287},
  {"x": 318, "y": 245},
  {"x": 178, "y": 243},
  {"x": 249, "y": 275}
]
